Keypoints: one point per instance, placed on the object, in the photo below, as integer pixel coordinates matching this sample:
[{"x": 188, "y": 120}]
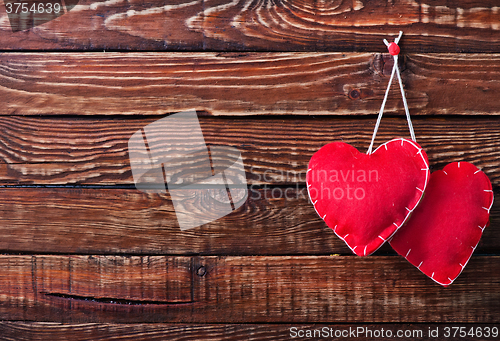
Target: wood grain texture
[
  {"x": 10, "y": 330},
  {"x": 85, "y": 251},
  {"x": 244, "y": 83},
  {"x": 102, "y": 277},
  {"x": 93, "y": 151},
  {"x": 222, "y": 25},
  {"x": 273, "y": 221},
  {"x": 244, "y": 289}
]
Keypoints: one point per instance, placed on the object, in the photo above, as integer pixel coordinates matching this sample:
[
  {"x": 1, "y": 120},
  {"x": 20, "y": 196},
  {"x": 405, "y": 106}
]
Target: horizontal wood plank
[
  {"x": 244, "y": 289},
  {"x": 91, "y": 151},
  {"x": 244, "y": 84},
  {"x": 52, "y": 331},
  {"x": 273, "y": 221},
  {"x": 102, "y": 277},
  {"x": 429, "y": 26}
]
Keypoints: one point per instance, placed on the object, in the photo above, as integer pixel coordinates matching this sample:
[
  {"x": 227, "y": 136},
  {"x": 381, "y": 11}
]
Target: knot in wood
[{"x": 201, "y": 271}]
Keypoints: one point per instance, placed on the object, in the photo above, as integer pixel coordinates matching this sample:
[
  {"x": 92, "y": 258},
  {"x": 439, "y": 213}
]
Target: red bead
[{"x": 393, "y": 49}]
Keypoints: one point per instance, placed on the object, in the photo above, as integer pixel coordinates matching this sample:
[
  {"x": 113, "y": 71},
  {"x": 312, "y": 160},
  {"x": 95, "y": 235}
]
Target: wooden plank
[
  {"x": 128, "y": 221},
  {"x": 246, "y": 289},
  {"x": 102, "y": 277},
  {"x": 244, "y": 84},
  {"x": 429, "y": 25},
  {"x": 11, "y": 330},
  {"x": 113, "y": 280},
  {"x": 273, "y": 221},
  {"x": 91, "y": 151}
]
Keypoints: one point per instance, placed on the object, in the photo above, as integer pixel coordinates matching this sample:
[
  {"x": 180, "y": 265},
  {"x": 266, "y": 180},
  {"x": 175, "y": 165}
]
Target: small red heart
[
  {"x": 366, "y": 198},
  {"x": 444, "y": 230}
]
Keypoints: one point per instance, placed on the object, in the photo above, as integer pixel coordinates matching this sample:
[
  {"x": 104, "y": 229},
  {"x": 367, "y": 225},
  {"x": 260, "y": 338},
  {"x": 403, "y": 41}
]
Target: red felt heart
[
  {"x": 366, "y": 198},
  {"x": 445, "y": 229}
]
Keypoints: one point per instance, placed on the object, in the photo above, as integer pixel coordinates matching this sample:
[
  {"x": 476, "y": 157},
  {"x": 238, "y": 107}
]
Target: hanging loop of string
[{"x": 394, "y": 50}]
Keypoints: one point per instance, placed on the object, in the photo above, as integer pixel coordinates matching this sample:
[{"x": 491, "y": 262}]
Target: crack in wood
[{"x": 112, "y": 300}]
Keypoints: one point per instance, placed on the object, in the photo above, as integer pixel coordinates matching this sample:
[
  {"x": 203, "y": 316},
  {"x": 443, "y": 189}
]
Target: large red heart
[
  {"x": 366, "y": 198},
  {"x": 444, "y": 230}
]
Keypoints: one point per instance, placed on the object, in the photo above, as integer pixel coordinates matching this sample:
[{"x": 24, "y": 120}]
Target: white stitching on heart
[
  {"x": 418, "y": 267},
  {"x": 343, "y": 239},
  {"x": 419, "y": 152},
  {"x": 407, "y": 253},
  {"x": 492, "y": 198},
  {"x": 315, "y": 207},
  {"x": 473, "y": 248}
]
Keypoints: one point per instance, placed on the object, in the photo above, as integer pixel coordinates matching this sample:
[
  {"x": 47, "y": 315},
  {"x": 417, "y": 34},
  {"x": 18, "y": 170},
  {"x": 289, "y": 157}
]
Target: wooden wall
[{"x": 84, "y": 251}]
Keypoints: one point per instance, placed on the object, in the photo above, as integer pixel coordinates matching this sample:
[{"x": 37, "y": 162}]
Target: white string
[
  {"x": 381, "y": 112},
  {"x": 395, "y": 69},
  {"x": 407, "y": 111}
]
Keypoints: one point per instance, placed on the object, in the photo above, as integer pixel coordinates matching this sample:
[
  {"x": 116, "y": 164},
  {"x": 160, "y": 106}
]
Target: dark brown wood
[
  {"x": 74, "y": 289},
  {"x": 159, "y": 279},
  {"x": 273, "y": 221},
  {"x": 274, "y": 79},
  {"x": 91, "y": 151},
  {"x": 128, "y": 221},
  {"x": 244, "y": 84},
  {"x": 11, "y": 330},
  {"x": 430, "y": 26}
]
